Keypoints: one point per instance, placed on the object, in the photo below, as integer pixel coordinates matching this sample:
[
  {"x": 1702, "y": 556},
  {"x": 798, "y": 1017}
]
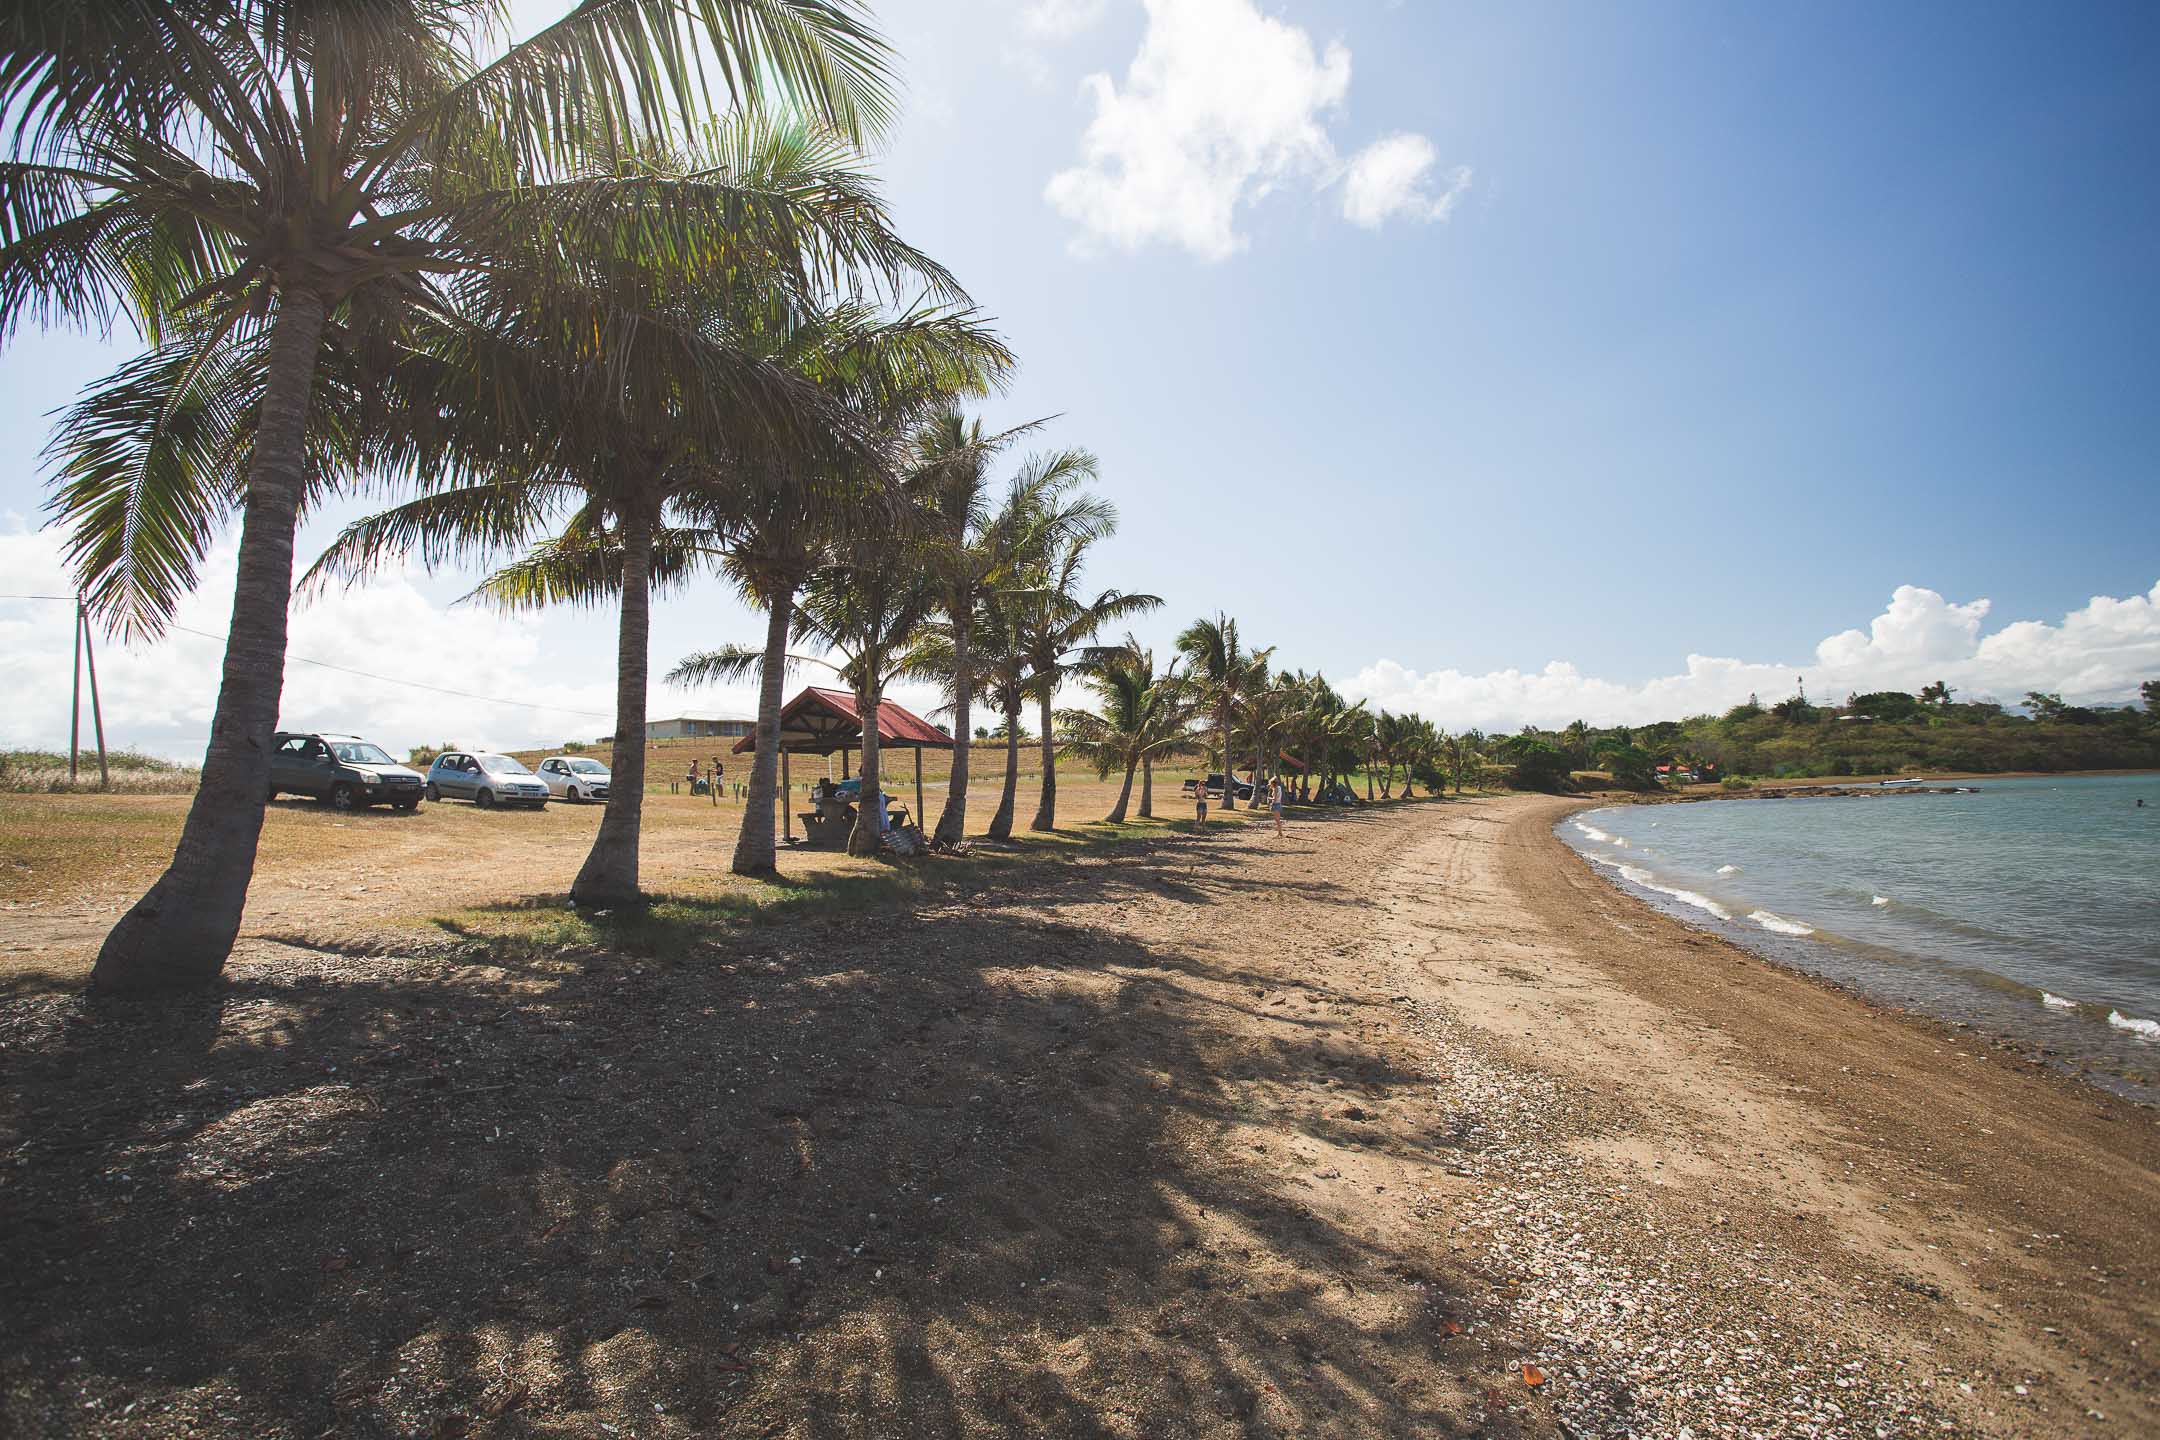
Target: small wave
[
  {"x": 1637, "y": 875},
  {"x": 1728, "y": 869},
  {"x": 2056, "y": 1002},
  {"x": 1620, "y": 842},
  {"x": 1779, "y": 924},
  {"x": 1880, "y": 902},
  {"x": 1592, "y": 831},
  {"x": 2147, "y": 1029}
]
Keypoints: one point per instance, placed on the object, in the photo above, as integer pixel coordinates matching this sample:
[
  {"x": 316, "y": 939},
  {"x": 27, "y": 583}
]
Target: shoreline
[
  {"x": 2020, "y": 1204},
  {"x": 2138, "y": 1087}
]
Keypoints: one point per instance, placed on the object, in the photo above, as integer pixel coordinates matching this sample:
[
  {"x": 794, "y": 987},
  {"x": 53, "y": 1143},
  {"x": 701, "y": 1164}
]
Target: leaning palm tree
[
  {"x": 1142, "y": 717},
  {"x": 1057, "y": 622},
  {"x": 262, "y": 177}
]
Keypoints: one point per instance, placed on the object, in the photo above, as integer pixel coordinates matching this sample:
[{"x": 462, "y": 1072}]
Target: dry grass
[{"x": 45, "y": 772}]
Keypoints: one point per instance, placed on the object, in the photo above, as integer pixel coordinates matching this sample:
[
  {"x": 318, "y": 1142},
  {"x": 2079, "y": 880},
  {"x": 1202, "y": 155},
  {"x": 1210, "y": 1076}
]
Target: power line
[{"x": 371, "y": 675}]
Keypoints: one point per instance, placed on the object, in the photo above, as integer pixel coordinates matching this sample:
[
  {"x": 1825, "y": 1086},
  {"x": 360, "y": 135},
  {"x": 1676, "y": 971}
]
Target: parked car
[
  {"x": 574, "y": 778},
  {"x": 1214, "y": 787},
  {"x": 342, "y": 771},
  {"x": 486, "y": 780}
]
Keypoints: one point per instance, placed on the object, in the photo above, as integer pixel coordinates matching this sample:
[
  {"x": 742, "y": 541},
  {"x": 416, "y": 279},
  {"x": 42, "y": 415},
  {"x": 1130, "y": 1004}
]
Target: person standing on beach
[
  {"x": 1274, "y": 801},
  {"x": 1199, "y": 791}
]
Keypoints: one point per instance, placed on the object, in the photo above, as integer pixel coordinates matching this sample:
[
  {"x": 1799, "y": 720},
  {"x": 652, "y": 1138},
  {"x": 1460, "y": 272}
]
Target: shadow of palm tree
[{"x": 862, "y": 1160}]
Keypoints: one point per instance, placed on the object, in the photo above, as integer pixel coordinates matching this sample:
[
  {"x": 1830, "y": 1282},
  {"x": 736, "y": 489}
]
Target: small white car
[{"x": 574, "y": 778}]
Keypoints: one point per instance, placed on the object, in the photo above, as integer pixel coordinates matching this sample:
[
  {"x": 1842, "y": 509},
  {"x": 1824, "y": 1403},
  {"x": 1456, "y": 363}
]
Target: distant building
[{"x": 699, "y": 727}]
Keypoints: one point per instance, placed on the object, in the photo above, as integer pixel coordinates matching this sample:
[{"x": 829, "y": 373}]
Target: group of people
[
  {"x": 1274, "y": 800},
  {"x": 710, "y": 784}
]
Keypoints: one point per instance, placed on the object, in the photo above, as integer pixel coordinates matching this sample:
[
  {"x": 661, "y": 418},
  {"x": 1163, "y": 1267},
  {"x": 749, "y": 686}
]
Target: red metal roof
[{"x": 819, "y": 721}]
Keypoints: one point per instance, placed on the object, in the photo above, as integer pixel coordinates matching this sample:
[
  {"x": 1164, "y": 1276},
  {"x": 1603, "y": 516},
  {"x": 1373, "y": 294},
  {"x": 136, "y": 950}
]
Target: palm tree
[
  {"x": 864, "y": 604},
  {"x": 649, "y": 397},
  {"x": 1056, "y": 623},
  {"x": 972, "y": 548},
  {"x": 268, "y": 177},
  {"x": 1216, "y": 665},
  {"x": 1143, "y": 716}
]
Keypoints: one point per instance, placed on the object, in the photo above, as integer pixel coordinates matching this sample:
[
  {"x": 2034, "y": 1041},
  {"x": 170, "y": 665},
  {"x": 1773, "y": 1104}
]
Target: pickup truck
[
  {"x": 1214, "y": 787},
  {"x": 343, "y": 771}
]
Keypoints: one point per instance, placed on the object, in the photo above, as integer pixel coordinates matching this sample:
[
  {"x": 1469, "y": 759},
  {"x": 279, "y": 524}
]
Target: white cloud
[
  {"x": 1392, "y": 176},
  {"x": 1061, "y": 19},
  {"x": 1220, "y": 106},
  {"x": 159, "y": 697},
  {"x": 2095, "y": 655}
]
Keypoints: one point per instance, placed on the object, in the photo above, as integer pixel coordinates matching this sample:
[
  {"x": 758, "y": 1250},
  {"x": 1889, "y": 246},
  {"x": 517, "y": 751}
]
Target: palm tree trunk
[
  {"x": 868, "y": 836},
  {"x": 1222, "y": 727},
  {"x": 1147, "y": 788},
  {"x": 182, "y": 930},
  {"x": 1305, "y": 786},
  {"x": 756, "y": 847},
  {"x": 1001, "y": 823},
  {"x": 1046, "y": 809},
  {"x": 1117, "y": 811},
  {"x": 952, "y": 820},
  {"x": 1368, "y": 782},
  {"x": 609, "y": 875}
]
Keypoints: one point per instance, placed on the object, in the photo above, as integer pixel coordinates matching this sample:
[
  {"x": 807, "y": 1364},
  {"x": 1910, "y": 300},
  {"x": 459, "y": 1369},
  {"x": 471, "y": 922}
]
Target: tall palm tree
[
  {"x": 864, "y": 604},
  {"x": 1143, "y": 716},
  {"x": 1216, "y": 666},
  {"x": 1057, "y": 621},
  {"x": 259, "y": 177},
  {"x": 647, "y": 396},
  {"x": 972, "y": 548}
]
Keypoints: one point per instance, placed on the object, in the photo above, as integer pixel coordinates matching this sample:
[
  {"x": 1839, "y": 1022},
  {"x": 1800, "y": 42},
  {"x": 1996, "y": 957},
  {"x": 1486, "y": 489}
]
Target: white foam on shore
[
  {"x": 1592, "y": 831},
  {"x": 2056, "y": 1002},
  {"x": 2145, "y": 1029},
  {"x": 1620, "y": 842},
  {"x": 1639, "y": 876},
  {"x": 1728, "y": 869},
  {"x": 1880, "y": 902},
  {"x": 1778, "y": 924}
]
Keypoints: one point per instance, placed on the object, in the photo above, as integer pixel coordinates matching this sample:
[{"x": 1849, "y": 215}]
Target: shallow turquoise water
[{"x": 2029, "y": 908}]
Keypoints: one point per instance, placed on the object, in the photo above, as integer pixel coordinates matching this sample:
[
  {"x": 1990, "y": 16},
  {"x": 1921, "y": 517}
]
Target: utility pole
[
  {"x": 75, "y": 696},
  {"x": 97, "y": 711}
]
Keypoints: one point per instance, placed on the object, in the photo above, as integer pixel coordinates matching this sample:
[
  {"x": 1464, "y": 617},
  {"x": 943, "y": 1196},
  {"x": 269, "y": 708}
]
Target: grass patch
[{"x": 45, "y": 772}]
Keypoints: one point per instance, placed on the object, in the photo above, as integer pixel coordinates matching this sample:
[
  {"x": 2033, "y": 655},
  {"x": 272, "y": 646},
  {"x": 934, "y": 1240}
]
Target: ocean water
[{"x": 2028, "y": 909}]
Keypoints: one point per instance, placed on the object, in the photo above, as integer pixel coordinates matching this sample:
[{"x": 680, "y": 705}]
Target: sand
[{"x": 1402, "y": 1124}]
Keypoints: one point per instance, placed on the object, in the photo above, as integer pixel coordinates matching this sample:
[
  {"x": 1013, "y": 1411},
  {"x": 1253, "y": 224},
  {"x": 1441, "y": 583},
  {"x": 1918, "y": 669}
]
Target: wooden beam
[
  {"x": 918, "y": 787},
  {"x": 787, "y": 800}
]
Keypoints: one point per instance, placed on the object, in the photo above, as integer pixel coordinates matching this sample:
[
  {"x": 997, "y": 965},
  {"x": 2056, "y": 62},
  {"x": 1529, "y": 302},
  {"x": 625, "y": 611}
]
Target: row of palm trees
[
  {"x": 602, "y": 310},
  {"x": 611, "y": 303}
]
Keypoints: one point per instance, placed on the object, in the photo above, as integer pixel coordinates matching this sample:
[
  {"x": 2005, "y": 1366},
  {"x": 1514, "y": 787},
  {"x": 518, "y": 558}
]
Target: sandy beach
[{"x": 1402, "y": 1124}]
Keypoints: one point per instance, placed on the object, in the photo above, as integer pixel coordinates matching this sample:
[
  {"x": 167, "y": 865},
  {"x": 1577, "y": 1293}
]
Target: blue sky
[{"x": 1511, "y": 335}]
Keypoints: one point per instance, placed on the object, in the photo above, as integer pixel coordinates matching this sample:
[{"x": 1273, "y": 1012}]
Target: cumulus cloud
[
  {"x": 1221, "y": 106},
  {"x": 538, "y": 690},
  {"x": 1394, "y": 176},
  {"x": 1061, "y": 19},
  {"x": 2095, "y": 655}
]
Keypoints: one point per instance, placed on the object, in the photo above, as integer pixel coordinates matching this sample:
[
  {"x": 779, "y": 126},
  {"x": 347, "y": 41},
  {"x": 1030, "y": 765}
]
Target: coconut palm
[
  {"x": 1216, "y": 665},
  {"x": 972, "y": 548},
  {"x": 1057, "y": 621},
  {"x": 261, "y": 177},
  {"x": 1143, "y": 716},
  {"x": 649, "y": 398},
  {"x": 864, "y": 604}
]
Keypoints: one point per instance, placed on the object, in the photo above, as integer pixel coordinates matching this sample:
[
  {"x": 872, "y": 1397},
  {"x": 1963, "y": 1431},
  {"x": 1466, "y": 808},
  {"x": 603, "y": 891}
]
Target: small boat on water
[{"x": 1900, "y": 784}]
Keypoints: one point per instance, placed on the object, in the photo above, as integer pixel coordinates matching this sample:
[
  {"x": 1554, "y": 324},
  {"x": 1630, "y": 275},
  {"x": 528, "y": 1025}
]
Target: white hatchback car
[{"x": 574, "y": 778}]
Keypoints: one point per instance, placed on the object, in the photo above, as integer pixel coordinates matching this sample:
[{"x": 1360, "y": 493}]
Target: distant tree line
[{"x": 1880, "y": 732}]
